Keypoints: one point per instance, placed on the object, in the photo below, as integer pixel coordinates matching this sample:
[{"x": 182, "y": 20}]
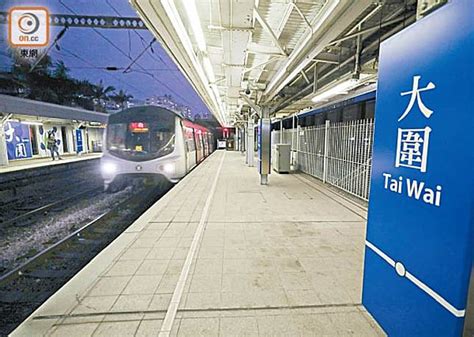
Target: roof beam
[
  {"x": 327, "y": 58},
  {"x": 255, "y": 48},
  {"x": 252, "y": 104},
  {"x": 284, "y": 20},
  {"x": 269, "y": 30},
  {"x": 263, "y": 64},
  {"x": 337, "y": 13}
]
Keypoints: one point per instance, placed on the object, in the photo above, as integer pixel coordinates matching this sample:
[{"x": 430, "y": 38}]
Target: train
[{"x": 152, "y": 141}]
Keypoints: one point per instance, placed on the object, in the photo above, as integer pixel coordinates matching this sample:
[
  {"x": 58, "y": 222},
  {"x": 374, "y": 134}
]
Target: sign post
[
  {"x": 420, "y": 237},
  {"x": 79, "y": 142},
  {"x": 264, "y": 149}
]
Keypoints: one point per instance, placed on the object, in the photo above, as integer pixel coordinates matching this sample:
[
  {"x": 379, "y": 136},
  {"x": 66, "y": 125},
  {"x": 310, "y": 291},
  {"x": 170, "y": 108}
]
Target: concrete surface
[{"x": 279, "y": 260}]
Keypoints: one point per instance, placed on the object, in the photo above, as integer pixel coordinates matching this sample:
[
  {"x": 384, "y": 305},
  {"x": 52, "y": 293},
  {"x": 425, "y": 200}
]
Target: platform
[
  {"x": 25, "y": 164},
  {"x": 221, "y": 255}
]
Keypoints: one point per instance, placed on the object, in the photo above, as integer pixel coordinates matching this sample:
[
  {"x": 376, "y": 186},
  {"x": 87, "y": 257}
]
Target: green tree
[
  {"x": 121, "y": 97},
  {"x": 61, "y": 71},
  {"x": 100, "y": 95}
]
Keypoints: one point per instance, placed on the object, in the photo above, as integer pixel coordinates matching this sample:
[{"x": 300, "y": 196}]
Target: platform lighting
[
  {"x": 31, "y": 123},
  {"x": 216, "y": 91},
  {"x": 193, "y": 17},
  {"x": 339, "y": 89},
  {"x": 175, "y": 18},
  {"x": 208, "y": 69}
]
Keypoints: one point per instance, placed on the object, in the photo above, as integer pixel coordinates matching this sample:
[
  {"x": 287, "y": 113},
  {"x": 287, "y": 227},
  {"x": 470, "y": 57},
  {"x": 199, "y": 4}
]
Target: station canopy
[{"x": 289, "y": 55}]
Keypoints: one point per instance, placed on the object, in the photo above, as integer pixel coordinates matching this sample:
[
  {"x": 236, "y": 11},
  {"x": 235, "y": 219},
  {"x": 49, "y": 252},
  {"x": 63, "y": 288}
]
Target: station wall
[{"x": 29, "y": 139}]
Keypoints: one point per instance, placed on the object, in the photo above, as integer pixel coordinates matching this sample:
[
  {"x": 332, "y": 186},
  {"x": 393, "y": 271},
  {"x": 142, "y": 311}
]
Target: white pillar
[
  {"x": 265, "y": 146},
  {"x": 326, "y": 150},
  {"x": 298, "y": 130},
  {"x": 250, "y": 143},
  {"x": 281, "y": 131},
  {"x": 3, "y": 147}
]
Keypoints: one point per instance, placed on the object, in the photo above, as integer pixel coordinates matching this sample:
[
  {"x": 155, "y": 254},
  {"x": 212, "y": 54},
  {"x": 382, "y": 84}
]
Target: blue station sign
[
  {"x": 79, "y": 142},
  {"x": 17, "y": 136},
  {"x": 420, "y": 237}
]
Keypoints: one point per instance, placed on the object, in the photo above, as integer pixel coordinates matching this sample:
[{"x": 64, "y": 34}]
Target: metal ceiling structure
[{"x": 286, "y": 55}]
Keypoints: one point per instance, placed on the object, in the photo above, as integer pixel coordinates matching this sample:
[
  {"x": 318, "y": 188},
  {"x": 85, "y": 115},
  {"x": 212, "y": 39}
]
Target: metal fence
[{"x": 339, "y": 154}]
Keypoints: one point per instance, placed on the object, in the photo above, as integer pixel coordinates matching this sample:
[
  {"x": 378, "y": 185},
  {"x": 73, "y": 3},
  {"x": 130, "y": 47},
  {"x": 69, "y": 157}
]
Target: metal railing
[{"x": 339, "y": 154}]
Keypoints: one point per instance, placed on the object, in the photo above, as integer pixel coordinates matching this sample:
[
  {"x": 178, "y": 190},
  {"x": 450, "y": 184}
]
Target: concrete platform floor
[
  {"x": 221, "y": 255},
  {"x": 25, "y": 164}
]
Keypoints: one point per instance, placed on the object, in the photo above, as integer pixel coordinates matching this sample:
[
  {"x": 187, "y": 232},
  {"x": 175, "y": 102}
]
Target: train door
[
  {"x": 206, "y": 144},
  {"x": 198, "y": 146},
  {"x": 190, "y": 148},
  {"x": 179, "y": 124},
  {"x": 203, "y": 149}
]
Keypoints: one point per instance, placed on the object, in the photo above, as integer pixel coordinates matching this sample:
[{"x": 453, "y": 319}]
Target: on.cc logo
[
  {"x": 28, "y": 23},
  {"x": 28, "y": 26}
]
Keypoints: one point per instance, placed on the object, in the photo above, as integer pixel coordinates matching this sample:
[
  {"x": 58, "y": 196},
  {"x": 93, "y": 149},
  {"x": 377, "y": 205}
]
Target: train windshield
[{"x": 141, "y": 138}]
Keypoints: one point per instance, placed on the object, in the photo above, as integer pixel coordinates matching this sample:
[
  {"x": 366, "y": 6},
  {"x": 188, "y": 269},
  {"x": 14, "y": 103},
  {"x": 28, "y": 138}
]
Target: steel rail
[
  {"x": 24, "y": 265},
  {"x": 6, "y": 224}
]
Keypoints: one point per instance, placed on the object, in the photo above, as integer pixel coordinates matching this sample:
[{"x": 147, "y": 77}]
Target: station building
[{"x": 27, "y": 123}]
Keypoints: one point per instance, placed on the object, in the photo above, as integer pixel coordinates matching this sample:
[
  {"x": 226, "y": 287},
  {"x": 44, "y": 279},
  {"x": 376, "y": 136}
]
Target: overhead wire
[
  {"x": 125, "y": 54},
  {"x": 144, "y": 43},
  {"x": 93, "y": 66},
  {"x": 135, "y": 60}
]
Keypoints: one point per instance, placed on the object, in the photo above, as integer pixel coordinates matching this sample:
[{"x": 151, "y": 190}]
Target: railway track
[
  {"x": 26, "y": 287},
  {"x": 28, "y": 217},
  {"x": 27, "y": 190}
]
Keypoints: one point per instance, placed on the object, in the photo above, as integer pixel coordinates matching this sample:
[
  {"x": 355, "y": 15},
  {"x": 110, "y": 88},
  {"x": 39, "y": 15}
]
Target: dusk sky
[{"x": 87, "y": 44}]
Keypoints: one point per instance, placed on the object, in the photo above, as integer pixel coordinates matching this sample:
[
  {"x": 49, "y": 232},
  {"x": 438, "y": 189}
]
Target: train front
[{"x": 141, "y": 142}]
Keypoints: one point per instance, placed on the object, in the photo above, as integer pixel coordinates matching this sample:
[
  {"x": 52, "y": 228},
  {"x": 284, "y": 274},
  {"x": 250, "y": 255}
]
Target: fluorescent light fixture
[
  {"x": 339, "y": 89},
  {"x": 208, "y": 69},
  {"x": 170, "y": 9},
  {"x": 216, "y": 93},
  {"x": 193, "y": 17},
  {"x": 31, "y": 123}
]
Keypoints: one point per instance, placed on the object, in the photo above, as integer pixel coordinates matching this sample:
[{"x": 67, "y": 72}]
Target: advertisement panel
[
  {"x": 18, "y": 140},
  {"x": 79, "y": 142}
]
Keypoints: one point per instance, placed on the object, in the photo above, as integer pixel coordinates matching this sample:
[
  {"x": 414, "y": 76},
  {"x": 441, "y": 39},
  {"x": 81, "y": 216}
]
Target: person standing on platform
[{"x": 52, "y": 146}]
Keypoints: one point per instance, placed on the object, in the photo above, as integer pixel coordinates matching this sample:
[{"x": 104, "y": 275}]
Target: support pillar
[
  {"x": 3, "y": 141},
  {"x": 264, "y": 146},
  {"x": 298, "y": 130},
  {"x": 326, "y": 151},
  {"x": 3, "y": 147},
  {"x": 250, "y": 142}
]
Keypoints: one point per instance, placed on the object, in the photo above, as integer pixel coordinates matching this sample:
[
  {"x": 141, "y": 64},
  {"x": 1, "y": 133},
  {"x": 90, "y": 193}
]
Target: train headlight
[
  {"x": 168, "y": 168},
  {"x": 109, "y": 168}
]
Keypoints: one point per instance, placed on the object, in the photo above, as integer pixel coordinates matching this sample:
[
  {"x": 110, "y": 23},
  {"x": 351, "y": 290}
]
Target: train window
[
  {"x": 142, "y": 139},
  {"x": 198, "y": 140},
  {"x": 189, "y": 140}
]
